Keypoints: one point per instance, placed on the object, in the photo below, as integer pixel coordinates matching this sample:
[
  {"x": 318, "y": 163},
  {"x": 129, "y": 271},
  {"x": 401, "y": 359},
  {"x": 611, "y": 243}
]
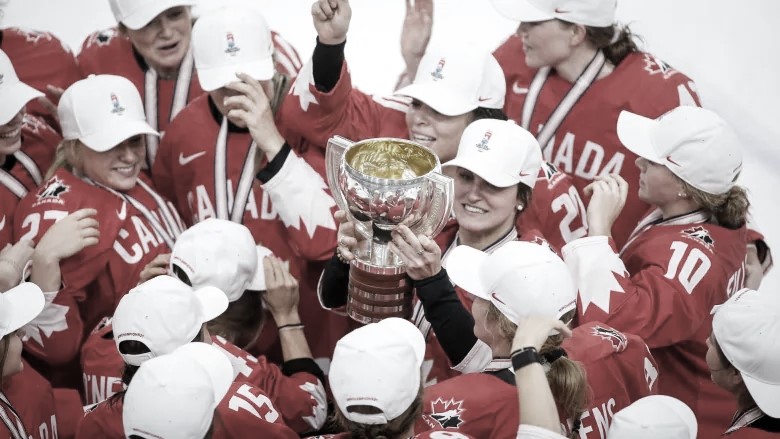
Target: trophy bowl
[{"x": 382, "y": 183}]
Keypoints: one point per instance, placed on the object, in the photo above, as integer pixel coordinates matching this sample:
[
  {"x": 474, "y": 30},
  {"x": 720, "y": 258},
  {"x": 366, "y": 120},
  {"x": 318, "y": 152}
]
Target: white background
[{"x": 729, "y": 48}]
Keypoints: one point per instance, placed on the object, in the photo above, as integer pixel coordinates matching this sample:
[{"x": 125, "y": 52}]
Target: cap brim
[
  {"x": 766, "y": 395},
  {"x": 26, "y": 302},
  {"x": 487, "y": 173},
  {"x": 463, "y": 266},
  {"x": 212, "y": 78},
  {"x": 109, "y": 137},
  {"x": 213, "y": 302},
  {"x": 143, "y": 17},
  {"x": 438, "y": 97},
  {"x": 635, "y": 133},
  {"x": 520, "y": 10},
  {"x": 258, "y": 280},
  {"x": 14, "y": 98},
  {"x": 214, "y": 362}
]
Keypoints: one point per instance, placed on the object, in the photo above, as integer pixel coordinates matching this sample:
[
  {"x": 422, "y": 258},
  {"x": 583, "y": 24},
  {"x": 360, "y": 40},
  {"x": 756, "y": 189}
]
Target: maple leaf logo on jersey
[
  {"x": 447, "y": 413},
  {"x": 50, "y": 320},
  {"x": 656, "y": 66},
  {"x": 700, "y": 234},
  {"x": 301, "y": 88},
  {"x": 320, "y": 409},
  {"x": 602, "y": 281},
  {"x": 53, "y": 189},
  {"x": 618, "y": 341},
  {"x": 33, "y": 36}
]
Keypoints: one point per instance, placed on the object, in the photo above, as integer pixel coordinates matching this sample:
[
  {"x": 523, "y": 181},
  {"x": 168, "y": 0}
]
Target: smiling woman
[{"x": 95, "y": 219}]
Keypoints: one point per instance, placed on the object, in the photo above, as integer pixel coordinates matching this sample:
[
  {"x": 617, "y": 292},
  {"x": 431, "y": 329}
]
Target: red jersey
[
  {"x": 110, "y": 52},
  {"x": 556, "y": 208},
  {"x": 300, "y": 398},
  {"x": 432, "y": 434},
  {"x": 243, "y": 409},
  {"x": 40, "y": 59},
  {"x": 662, "y": 287},
  {"x": 32, "y": 398},
  {"x": 291, "y": 213},
  {"x": 585, "y": 143},
  {"x": 477, "y": 404},
  {"x": 619, "y": 368},
  {"x": 28, "y": 166},
  {"x": 135, "y": 227}
]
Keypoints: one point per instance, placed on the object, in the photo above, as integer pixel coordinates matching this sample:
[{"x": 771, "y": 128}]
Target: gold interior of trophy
[{"x": 390, "y": 159}]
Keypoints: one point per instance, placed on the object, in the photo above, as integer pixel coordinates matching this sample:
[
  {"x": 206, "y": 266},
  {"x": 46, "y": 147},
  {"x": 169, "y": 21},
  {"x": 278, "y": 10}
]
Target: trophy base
[{"x": 376, "y": 293}]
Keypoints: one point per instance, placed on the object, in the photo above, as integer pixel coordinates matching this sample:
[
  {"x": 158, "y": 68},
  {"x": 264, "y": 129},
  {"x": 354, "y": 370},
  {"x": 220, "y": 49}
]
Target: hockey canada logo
[
  {"x": 447, "y": 413},
  {"x": 700, "y": 234},
  {"x": 52, "y": 191},
  {"x": 656, "y": 66},
  {"x": 116, "y": 107},
  {"x": 439, "y": 67},
  {"x": 483, "y": 144},
  {"x": 618, "y": 341},
  {"x": 231, "y": 44}
]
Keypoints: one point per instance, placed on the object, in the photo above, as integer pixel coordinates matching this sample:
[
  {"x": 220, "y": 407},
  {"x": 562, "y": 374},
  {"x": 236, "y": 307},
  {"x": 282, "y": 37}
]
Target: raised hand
[
  {"x": 608, "y": 197},
  {"x": 281, "y": 296},
  {"x": 69, "y": 235},
  {"x": 157, "y": 267},
  {"x": 252, "y": 106},
  {"x": 534, "y": 331},
  {"x": 416, "y": 33},
  {"x": 331, "y": 20}
]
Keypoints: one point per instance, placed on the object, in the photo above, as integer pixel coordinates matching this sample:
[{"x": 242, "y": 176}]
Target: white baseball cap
[
  {"x": 174, "y": 396},
  {"x": 654, "y": 416},
  {"x": 231, "y": 40},
  {"x": 500, "y": 152},
  {"x": 218, "y": 253},
  {"x": 454, "y": 81},
  {"x": 136, "y": 14},
  {"x": 164, "y": 313},
  {"x": 597, "y": 13},
  {"x": 102, "y": 111},
  {"x": 695, "y": 144},
  {"x": 378, "y": 365},
  {"x": 14, "y": 94},
  {"x": 18, "y": 306},
  {"x": 747, "y": 329},
  {"x": 520, "y": 278}
]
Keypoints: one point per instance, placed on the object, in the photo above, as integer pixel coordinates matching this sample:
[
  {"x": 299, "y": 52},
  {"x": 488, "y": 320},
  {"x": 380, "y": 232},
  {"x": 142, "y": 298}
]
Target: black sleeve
[
  {"x": 274, "y": 166},
  {"x": 326, "y": 65},
  {"x": 333, "y": 283},
  {"x": 303, "y": 365},
  {"x": 451, "y": 321}
]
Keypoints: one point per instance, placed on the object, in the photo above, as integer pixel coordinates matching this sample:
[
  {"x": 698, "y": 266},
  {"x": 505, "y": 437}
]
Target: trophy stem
[{"x": 376, "y": 293}]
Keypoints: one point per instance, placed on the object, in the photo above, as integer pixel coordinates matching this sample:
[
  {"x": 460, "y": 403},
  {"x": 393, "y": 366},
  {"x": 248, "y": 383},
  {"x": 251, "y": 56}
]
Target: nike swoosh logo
[
  {"x": 184, "y": 160},
  {"x": 669, "y": 158},
  {"x": 122, "y": 214},
  {"x": 561, "y": 11},
  {"x": 2, "y": 223},
  {"x": 484, "y": 99},
  {"x": 519, "y": 90},
  {"x": 524, "y": 174},
  {"x": 496, "y": 297}
]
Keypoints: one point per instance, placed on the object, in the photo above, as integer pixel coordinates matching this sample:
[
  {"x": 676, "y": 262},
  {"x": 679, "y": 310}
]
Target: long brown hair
[
  {"x": 566, "y": 377},
  {"x": 617, "y": 42},
  {"x": 243, "y": 320},
  {"x": 392, "y": 430},
  {"x": 729, "y": 209}
]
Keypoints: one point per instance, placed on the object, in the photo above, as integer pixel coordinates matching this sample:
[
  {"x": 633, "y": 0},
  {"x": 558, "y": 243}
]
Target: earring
[
  {"x": 520, "y": 207},
  {"x": 682, "y": 194}
]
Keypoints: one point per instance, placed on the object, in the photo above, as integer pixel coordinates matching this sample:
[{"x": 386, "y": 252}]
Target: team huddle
[{"x": 173, "y": 262}]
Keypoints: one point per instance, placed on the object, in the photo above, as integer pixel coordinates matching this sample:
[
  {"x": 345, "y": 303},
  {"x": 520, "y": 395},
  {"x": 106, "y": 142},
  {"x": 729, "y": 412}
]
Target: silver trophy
[{"x": 382, "y": 183}]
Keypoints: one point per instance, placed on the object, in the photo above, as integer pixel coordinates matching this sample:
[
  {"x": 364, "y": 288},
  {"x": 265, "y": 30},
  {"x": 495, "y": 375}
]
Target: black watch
[{"x": 525, "y": 356}]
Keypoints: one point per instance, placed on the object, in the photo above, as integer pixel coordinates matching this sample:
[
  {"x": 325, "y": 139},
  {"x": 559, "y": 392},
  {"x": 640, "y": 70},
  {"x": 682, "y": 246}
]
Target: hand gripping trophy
[{"x": 382, "y": 183}]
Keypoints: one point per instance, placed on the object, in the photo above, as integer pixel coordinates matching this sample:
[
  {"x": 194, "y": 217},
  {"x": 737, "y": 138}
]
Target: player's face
[
  {"x": 164, "y": 42},
  {"x": 218, "y": 97},
  {"x": 117, "y": 168},
  {"x": 484, "y": 328},
  {"x": 483, "y": 209},
  {"x": 11, "y": 135},
  {"x": 545, "y": 43},
  {"x": 439, "y": 132},
  {"x": 13, "y": 354},
  {"x": 657, "y": 184}
]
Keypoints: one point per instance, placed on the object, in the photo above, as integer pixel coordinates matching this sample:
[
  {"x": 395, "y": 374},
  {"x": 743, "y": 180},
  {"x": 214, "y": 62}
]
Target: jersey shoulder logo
[
  {"x": 700, "y": 234},
  {"x": 447, "y": 413},
  {"x": 617, "y": 339},
  {"x": 656, "y": 66},
  {"x": 52, "y": 190}
]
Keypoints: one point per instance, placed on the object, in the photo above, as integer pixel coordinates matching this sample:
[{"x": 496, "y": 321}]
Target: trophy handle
[
  {"x": 442, "y": 192},
  {"x": 333, "y": 155}
]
